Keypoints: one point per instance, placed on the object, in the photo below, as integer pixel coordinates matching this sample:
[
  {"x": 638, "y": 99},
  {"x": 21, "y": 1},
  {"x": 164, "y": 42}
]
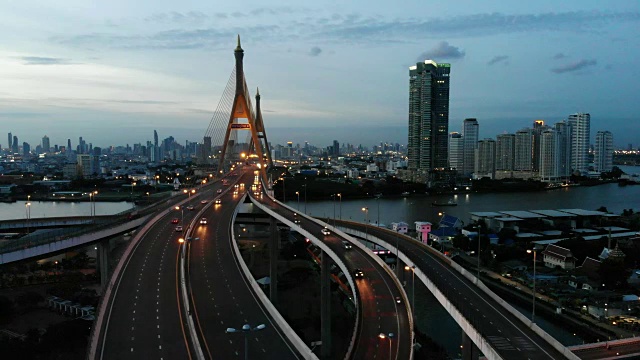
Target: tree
[
  {"x": 614, "y": 274},
  {"x": 461, "y": 242}
]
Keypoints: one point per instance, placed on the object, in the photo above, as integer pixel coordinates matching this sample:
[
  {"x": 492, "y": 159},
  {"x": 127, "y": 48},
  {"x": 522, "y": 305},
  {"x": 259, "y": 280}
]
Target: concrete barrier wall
[
  {"x": 106, "y": 301},
  {"x": 61, "y": 245},
  {"x": 466, "y": 326},
  {"x": 297, "y": 342}
]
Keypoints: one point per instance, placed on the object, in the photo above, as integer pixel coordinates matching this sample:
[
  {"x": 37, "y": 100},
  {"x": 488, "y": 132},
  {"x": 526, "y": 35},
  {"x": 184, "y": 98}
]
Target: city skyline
[{"x": 93, "y": 70}]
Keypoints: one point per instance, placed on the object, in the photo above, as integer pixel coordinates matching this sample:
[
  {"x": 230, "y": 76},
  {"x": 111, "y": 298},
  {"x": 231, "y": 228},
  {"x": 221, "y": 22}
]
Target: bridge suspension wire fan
[{"x": 219, "y": 119}]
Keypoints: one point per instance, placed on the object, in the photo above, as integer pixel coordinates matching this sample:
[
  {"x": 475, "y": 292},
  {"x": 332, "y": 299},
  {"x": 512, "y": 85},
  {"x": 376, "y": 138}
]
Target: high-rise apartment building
[
  {"x": 523, "y": 150},
  {"x": 26, "y": 149},
  {"x": 563, "y": 130},
  {"x": 456, "y": 151},
  {"x": 603, "y": 151},
  {"x": 46, "y": 145},
  {"x": 485, "y": 164},
  {"x": 470, "y": 133},
  {"x": 428, "y": 116},
  {"x": 549, "y": 160},
  {"x": 505, "y": 152},
  {"x": 580, "y": 134},
  {"x": 538, "y": 128}
]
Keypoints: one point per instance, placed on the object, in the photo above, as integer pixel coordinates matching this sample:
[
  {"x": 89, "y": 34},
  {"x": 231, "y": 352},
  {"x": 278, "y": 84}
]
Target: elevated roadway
[
  {"x": 376, "y": 291},
  {"x": 221, "y": 294},
  {"x": 498, "y": 332}
]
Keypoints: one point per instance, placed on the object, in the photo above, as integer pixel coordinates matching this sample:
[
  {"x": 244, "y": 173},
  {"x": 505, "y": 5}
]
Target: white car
[
  {"x": 178, "y": 228},
  {"x": 325, "y": 231},
  {"x": 219, "y": 191},
  {"x": 203, "y": 221}
]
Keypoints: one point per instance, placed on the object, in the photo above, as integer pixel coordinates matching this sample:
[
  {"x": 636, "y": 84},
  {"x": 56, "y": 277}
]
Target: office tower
[
  {"x": 14, "y": 145},
  {"x": 206, "y": 148},
  {"x": 428, "y": 116},
  {"x": 538, "y": 128},
  {"x": 505, "y": 152},
  {"x": 26, "y": 149},
  {"x": 10, "y": 143},
  {"x": 603, "y": 154},
  {"x": 456, "y": 151},
  {"x": 580, "y": 134},
  {"x": 485, "y": 159},
  {"x": 563, "y": 130},
  {"x": 46, "y": 147},
  {"x": 470, "y": 132},
  {"x": 155, "y": 138},
  {"x": 69, "y": 144},
  {"x": 524, "y": 150},
  {"x": 336, "y": 148}
]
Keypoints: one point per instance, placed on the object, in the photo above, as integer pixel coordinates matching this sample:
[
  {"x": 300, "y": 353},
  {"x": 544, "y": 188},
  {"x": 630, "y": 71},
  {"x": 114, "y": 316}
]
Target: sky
[{"x": 113, "y": 71}]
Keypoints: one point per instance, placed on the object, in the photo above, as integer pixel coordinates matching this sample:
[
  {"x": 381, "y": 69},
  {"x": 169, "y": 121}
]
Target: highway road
[
  {"x": 220, "y": 294},
  {"x": 506, "y": 333},
  {"x": 144, "y": 319},
  {"x": 377, "y": 292}
]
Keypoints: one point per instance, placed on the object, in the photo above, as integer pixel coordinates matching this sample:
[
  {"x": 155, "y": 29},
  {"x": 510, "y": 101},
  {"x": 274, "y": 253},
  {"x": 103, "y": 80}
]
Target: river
[{"x": 432, "y": 318}]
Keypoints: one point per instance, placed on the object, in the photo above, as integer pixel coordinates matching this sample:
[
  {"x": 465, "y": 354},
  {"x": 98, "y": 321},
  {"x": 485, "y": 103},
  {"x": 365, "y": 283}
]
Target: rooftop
[
  {"x": 552, "y": 213},
  {"x": 523, "y": 214}
]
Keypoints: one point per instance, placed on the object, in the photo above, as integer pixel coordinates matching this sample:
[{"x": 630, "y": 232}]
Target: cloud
[
  {"x": 39, "y": 60},
  {"x": 442, "y": 51},
  {"x": 315, "y": 51},
  {"x": 559, "y": 56},
  {"x": 497, "y": 59},
  {"x": 574, "y": 66}
]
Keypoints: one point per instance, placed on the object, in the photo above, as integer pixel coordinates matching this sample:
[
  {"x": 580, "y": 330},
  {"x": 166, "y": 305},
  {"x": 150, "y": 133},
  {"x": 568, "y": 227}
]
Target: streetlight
[
  {"x": 413, "y": 285},
  {"x": 340, "y": 196},
  {"x": 333, "y": 196},
  {"x": 246, "y": 328},
  {"x": 378, "y": 202},
  {"x": 27, "y": 210},
  {"x": 132, "y": 185},
  {"x": 181, "y": 240},
  {"x": 479, "y": 228},
  {"x": 298, "y": 193},
  {"x": 182, "y": 213},
  {"x": 533, "y": 311},
  {"x": 366, "y": 224},
  {"x": 305, "y": 195},
  {"x": 390, "y": 336}
]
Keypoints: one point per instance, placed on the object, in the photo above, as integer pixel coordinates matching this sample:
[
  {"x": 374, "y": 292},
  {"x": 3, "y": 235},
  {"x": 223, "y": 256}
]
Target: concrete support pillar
[
  {"x": 325, "y": 306},
  {"x": 103, "y": 262},
  {"x": 274, "y": 251},
  {"x": 469, "y": 349}
]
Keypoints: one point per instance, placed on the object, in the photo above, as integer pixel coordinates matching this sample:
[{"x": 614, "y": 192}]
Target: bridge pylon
[{"x": 242, "y": 118}]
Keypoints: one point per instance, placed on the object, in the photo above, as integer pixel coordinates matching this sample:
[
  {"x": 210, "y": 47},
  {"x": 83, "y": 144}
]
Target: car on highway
[
  {"x": 175, "y": 220},
  {"x": 219, "y": 191},
  {"x": 218, "y": 201},
  {"x": 358, "y": 274},
  {"x": 347, "y": 245},
  {"x": 190, "y": 207},
  {"x": 236, "y": 186},
  {"x": 398, "y": 300},
  {"x": 178, "y": 228},
  {"x": 235, "y": 193},
  {"x": 203, "y": 221},
  {"x": 204, "y": 201},
  {"x": 325, "y": 231}
]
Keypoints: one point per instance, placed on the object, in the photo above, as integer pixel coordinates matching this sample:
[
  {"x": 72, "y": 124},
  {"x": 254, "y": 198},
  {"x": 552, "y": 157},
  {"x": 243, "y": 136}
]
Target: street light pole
[
  {"x": 378, "y": 202},
  {"x": 533, "y": 310},
  {"x": 390, "y": 336},
  {"x": 28, "y": 214},
  {"x": 413, "y": 287},
  {"x": 340, "y": 196},
  {"x": 181, "y": 213},
  {"x": 366, "y": 223},
  {"x": 334, "y": 209},
  {"x": 305, "y": 195},
  {"x": 298, "y": 194},
  {"x": 246, "y": 328}
]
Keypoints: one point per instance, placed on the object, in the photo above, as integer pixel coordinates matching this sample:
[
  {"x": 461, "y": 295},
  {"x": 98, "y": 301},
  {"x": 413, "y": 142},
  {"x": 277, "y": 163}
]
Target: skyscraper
[
  {"x": 155, "y": 138},
  {"x": 14, "y": 145},
  {"x": 580, "y": 133},
  {"x": 470, "y": 131},
  {"x": 549, "y": 161},
  {"x": 10, "y": 143},
  {"x": 538, "y": 128},
  {"x": 524, "y": 150},
  {"x": 428, "y": 116},
  {"x": 485, "y": 164},
  {"x": 505, "y": 152},
  {"x": 46, "y": 146},
  {"x": 456, "y": 151},
  {"x": 603, "y": 154},
  {"x": 563, "y": 129}
]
